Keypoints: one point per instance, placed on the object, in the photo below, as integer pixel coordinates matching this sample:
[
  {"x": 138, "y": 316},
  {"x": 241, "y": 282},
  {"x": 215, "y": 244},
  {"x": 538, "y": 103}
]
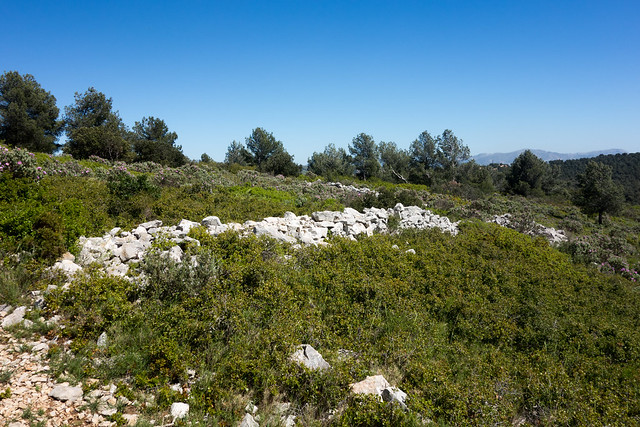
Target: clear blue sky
[{"x": 503, "y": 75}]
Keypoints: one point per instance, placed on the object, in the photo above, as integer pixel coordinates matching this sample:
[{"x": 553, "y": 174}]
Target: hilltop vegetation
[{"x": 490, "y": 326}]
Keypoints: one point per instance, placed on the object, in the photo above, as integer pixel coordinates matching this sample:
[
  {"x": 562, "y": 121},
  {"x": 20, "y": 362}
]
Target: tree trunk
[{"x": 600, "y": 217}]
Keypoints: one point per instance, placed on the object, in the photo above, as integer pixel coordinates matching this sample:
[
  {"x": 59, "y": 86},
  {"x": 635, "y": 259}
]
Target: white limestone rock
[
  {"x": 14, "y": 318},
  {"x": 65, "y": 392},
  {"x": 308, "y": 356},
  {"x": 248, "y": 421},
  {"x": 211, "y": 221},
  {"x": 179, "y": 410}
]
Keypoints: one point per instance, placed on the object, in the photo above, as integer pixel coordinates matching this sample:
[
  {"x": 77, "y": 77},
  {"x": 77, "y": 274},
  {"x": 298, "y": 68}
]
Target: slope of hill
[
  {"x": 486, "y": 326},
  {"x": 507, "y": 158}
]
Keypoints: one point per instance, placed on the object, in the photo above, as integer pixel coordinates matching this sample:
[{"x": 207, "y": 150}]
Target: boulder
[
  {"x": 130, "y": 251},
  {"x": 179, "y": 410},
  {"x": 272, "y": 231},
  {"x": 307, "y": 356},
  {"x": 65, "y": 392},
  {"x": 394, "y": 394},
  {"x": 103, "y": 340},
  {"x": 67, "y": 266},
  {"x": 248, "y": 421},
  {"x": 378, "y": 385},
  {"x": 151, "y": 224},
  {"x": 211, "y": 221},
  {"x": 14, "y": 318},
  {"x": 370, "y": 385},
  {"x": 186, "y": 225}
]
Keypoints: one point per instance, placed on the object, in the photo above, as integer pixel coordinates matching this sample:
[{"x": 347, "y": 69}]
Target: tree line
[{"x": 29, "y": 118}]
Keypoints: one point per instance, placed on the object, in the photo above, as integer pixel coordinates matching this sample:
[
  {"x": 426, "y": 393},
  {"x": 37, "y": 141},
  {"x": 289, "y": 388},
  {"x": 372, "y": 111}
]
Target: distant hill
[
  {"x": 507, "y": 158},
  {"x": 625, "y": 168}
]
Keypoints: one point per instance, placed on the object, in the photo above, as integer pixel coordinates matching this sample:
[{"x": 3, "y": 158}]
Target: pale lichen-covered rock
[
  {"x": 67, "y": 266},
  {"x": 14, "y": 318},
  {"x": 371, "y": 385},
  {"x": 308, "y": 356},
  {"x": 248, "y": 421},
  {"x": 379, "y": 386},
  {"x": 65, "y": 392},
  {"x": 211, "y": 221},
  {"x": 179, "y": 410}
]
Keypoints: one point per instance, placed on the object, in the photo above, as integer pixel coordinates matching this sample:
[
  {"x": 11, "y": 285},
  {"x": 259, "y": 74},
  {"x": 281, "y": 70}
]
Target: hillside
[
  {"x": 507, "y": 158},
  {"x": 329, "y": 284},
  {"x": 625, "y": 168}
]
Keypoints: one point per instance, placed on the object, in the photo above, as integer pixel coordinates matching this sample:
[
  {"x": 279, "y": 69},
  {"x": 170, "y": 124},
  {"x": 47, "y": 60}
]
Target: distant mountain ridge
[{"x": 507, "y": 158}]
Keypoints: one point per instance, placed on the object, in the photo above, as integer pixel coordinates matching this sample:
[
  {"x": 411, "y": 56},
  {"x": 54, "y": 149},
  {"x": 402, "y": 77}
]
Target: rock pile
[
  {"x": 533, "y": 229},
  {"x": 117, "y": 248}
]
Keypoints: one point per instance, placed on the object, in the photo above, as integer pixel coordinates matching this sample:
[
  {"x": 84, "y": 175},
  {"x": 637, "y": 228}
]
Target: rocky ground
[{"x": 29, "y": 396}]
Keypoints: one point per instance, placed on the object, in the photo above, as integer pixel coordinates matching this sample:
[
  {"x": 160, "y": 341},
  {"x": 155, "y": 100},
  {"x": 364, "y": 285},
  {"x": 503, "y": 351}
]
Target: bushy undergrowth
[{"x": 483, "y": 328}]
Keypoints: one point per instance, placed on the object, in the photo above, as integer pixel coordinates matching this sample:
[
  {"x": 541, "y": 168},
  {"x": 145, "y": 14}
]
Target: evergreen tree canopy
[
  {"x": 364, "y": 153},
  {"x": 395, "y": 162},
  {"x": 94, "y": 129},
  {"x": 597, "y": 193},
  {"x": 452, "y": 150},
  {"x": 527, "y": 173},
  {"x": 262, "y": 145},
  {"x": 152, "y": 142},
  {"x": 28, "y": 114},
  {"x": 238, "y": 154},
  {"x": 331, "y": 163}
]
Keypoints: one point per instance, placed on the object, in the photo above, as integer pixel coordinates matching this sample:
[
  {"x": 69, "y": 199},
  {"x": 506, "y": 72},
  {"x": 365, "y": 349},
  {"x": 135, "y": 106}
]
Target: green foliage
[
  {"x": 49, "y": 241},
  {"x": 331, "y": 163},
  {"x": 485, "y": 327},
  {"x": 93, "y": 303},
  {"x": 452, "y": 150},
  {"x": 527, "y": 174},
  {"x": 28, "y": 114},
  {"x": 364, "y": 154},
  {"x": 237, "y": 154},
  {"x": 124, "y": 185},
  {"x": 17, "y": 276},
  {"x": 597, "y": 193},
  {"x": 94, "y": 129},
  {"x": 395, "y": 162},
  {"x": 625, "y": 171},
  {"x": 152, "y": 142},
  {"x": 369, "y": 411}
]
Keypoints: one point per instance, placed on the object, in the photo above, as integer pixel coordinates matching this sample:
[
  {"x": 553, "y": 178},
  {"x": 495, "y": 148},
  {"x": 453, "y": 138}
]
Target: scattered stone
[
  {"x": 370, "y": 385},
  {"x": 394, "y": 394},
  {"x": 251, "y": 408},
  {"x": 15, "y": 317},
  {"x": 211, "y": 221},
  {"x": 103, "y": 340},
  {"x": 288, "y": 421},
  {"x": 308, "y": 356},
  {"x": 40, "y": 347},
  {"x": 64, "y": 393},
  {"x": 378, "y": 385},
  {"x": 179, "y": 410},
  {"x": 248, "y": 421},
  {"x": 131, "y": 419}
]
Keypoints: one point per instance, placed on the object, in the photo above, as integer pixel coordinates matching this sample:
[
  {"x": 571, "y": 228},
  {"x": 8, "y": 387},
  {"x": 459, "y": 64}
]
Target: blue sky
[{"x": 503, "y": 75}]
